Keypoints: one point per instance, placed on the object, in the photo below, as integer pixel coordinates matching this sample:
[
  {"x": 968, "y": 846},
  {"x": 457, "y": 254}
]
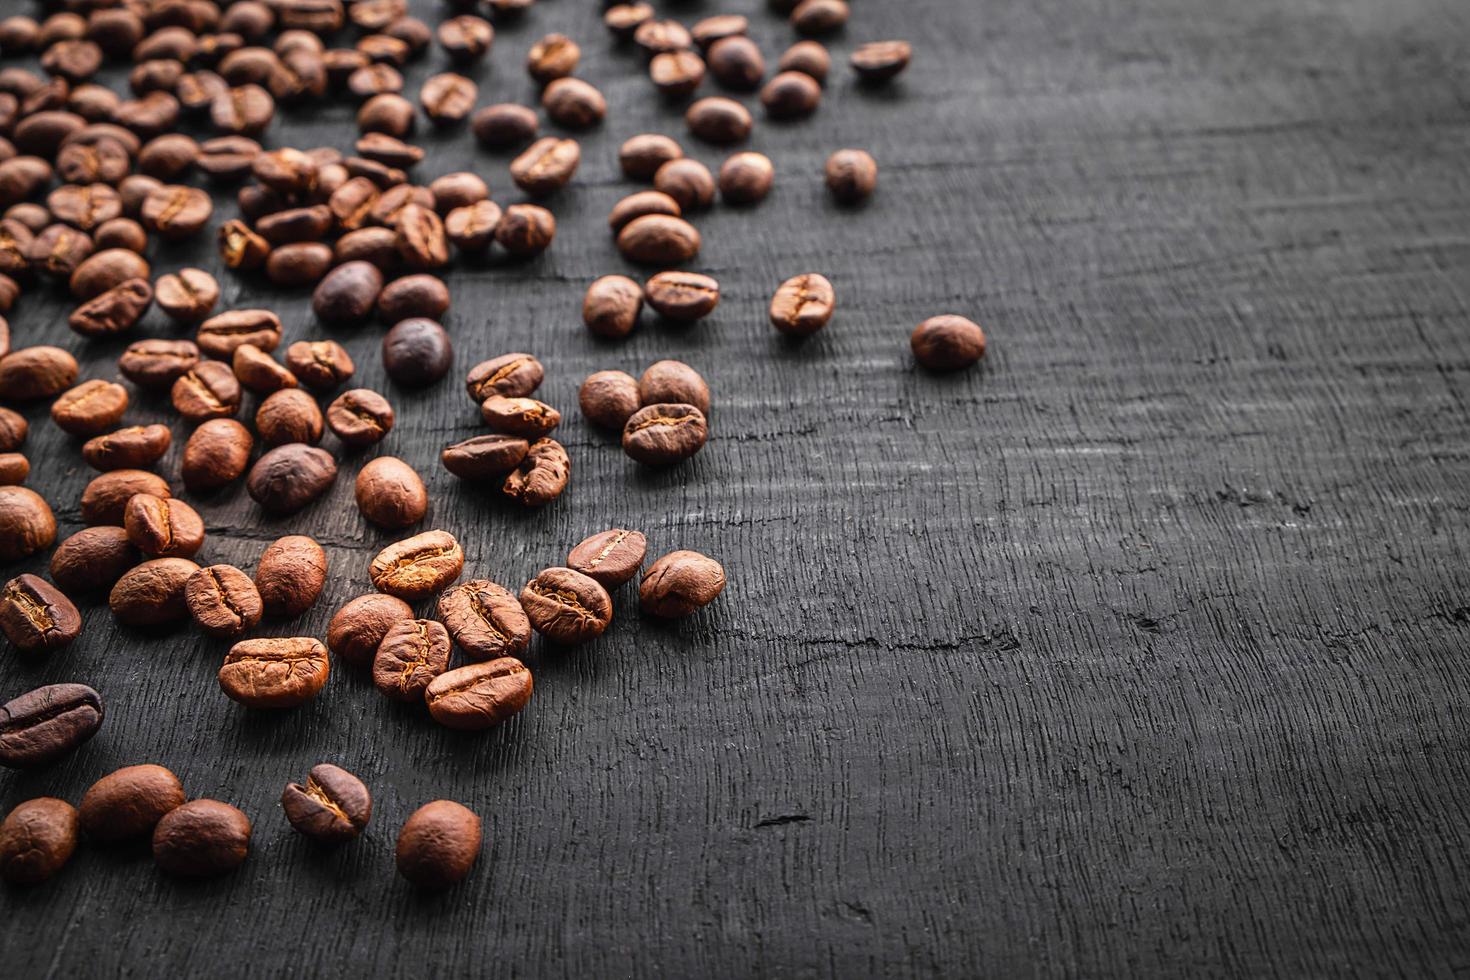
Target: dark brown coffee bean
[
  {"x": 13, "y": 430},
  {"x": 105, "y": 269},
  {"x": 21, "y": 178},
  {"x": 375, "y": 79},
  {"x": 132, "y": 448},
  {"x": 208, "y": 391},
  {"x": 635, "y": 206},
  {"x": 680, "y": 583},
  {"x": 851, "y": 175},
  {"x": 447, "y": 98},
  {"x": 359, "y": 627},
  {"x": 201, "y": 839},
  {"x": 719, "y": 120},
  {"x": 624, "y": 19},
  {"x": 554, "y": 56},
  {"x": 223, "y": 601},
  {"x": 641, "y": 156},
  {"x": 57, "y": 251},
  {"x": 456, "y": 190},
  {"x": 746, "y": 178},
  {"x": 129, "y": 802},
  {"x": 352, "y": 203},
  {"x": 803, "y": 305},
  {"x": 676, "y": 73},
  {"x": 484, "y": 458},
  {"x": 673, "y": 382},
  {"x": 808, "y": 57},
  {"x": 163, "y": 527},
  {"x": 26, "y": 523},
  {"x": 819, "y": 16},
  {"x": 45, "y": 724},
  {"x": 384, "y": 49},
  {"x": 287, "y": 416},
  {"x": 524, "y": 417},
  {"x": 37, "y": 838},
  {"x": 566, "y": 606},
  {"x": 390, "y": 494},
  {"x": 290, "y": 575},
  {"x": 417, "y": 567},
  {"x": 612, "y": 305},
  {"x": 421, "y": 242},
  {"x": 879, "y": 61},
  {"x": 525, "y": 230},
  {"x": 91, "y": 408},
  {"x": 347, "y": 294},
  {"x": 274, "y": 672},
  {"x": 298, "y": 263},
  {"x": 227, "y": 157},
  {"x": 296, "y": 225},
  {"x": 608, "y": 399},
  {"x": 187, "y": 296},
  {"x": 388, "y": 209},
  {"x": 92, "y": 559},
  {"x": 105, "y": 161},
  {"x": 413, "y": 296},
  {"x": 360, "y": 417},
  {"x": 609, "y": 557},
  {"x": 546, "y": 166},
  {"x": 682, "y": 296},
  {"x": 115, "y": 311},
  {"x": 106, "y": 498},
  {"x": 84, "y": 206},
  {"x": 438, "y": 845},
  {"x": 486, "y": 620},
  {"x": 386, "y": 113},
  {"x": 661, "y": 435},
  {"x": 791, "y": 95},
  {"x": 658, "y": 36},
  {"x": 168, "y": 157},
  {"x": 289, "y": 477},
  {"x": 121, "y": 233},
  {"x": 14, "y": 468},
  {"x": 157, "y": 363},
  {"x": 413, "y": 653},
  {"x": 332, "y": 808},
  {"x": 466, "y": 39},
  {"x": 688, "y": 182},
  {"x": 240, "y": 247},
  {"x": 658, "y": 239},
  {"x": 541, "y": 476},
  {"x": 196, "y": 92},
  {"x": 940, "y": 343},
  {"x": 216, "y": 454},
  {"x": 504, "y": 126},
  {"x": 36, "y": 617},
  {"x": 321, "y": 365},
  {"x": 245, "y": 110},
  {"x": 737, "y": 63},
  {"x": 152, "y": 594},
  {"x": 417, "y": 352},
  {"x": 512, "y": 375},
  {"x": 222, "y": 333},
  {"x": 573, "y": 103},
  {"x": 388, "y": 150},
  {"x": 479, "y": 696}
]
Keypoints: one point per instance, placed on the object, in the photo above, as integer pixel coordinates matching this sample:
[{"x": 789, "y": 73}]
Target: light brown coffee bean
[
  {"x": 803, "y": 304},
  {"x": 275, "y": 672},
  {"x": 162, "y": 527},
  {"x": 390, "y": 494},
  {"x": 133, "y": 448},
  {"x": 358, "y": 627},
  {"x": 417, "y": 567},
  {"x": 290, "y": 575},
  {"x": 479, "y": 696}
]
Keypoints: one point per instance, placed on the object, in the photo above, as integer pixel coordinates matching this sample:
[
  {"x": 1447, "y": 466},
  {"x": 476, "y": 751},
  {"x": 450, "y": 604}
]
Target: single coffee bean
[
  {"x": 608, "y": 399},
  {"x": 803, "y": 304},
  {"x": 479, "y": 696},
  {"x": 658, "y": 239},
  {"x": 688, "y": 182},
  {"x": 624, "y": 19},
  {"x": 943, "y": 343},
  {"x": 152, "y": 594},
  {"x": 680, "y": 583},
  {"x": 808, "y": 57},
  {"x": 791, "y": 95},
  {"x": 719, "y": 120},
  {"x": 115, "y": 311},
  {"x": 26, "y": 523},
  {"x": 332, "y": 808},
  {"x": 158, "y": 363},
  {"x": 484, "y": 458},
  {"x": 524, "y": 417},
  {"x": 291, "y": 575},
  {"x": 215, "y": 455},
  {"x": 390, "y": 494},
  {"x": 541, "y": 476},
  {"x": 47, "y": 723},
  {"x": 609, "y": 557},
  {"x": 513, "y": 375},
  {"x": 352, "y": 203},
  {"x": 566, "y": 606},
  {"x": 554, "y": 56},
  {"x": 258, "y": 371},
  {"x": 371, "y": 80},
  {"x": 682, "y": 296},
  {"x": 746, "y": 178},
  {"x": 289, "y": 477},
  {"x": 737, "y": 63},
  {"x": 162, "y": 527},
  {"x": 438, "y": 845},
  {"x": 84, "y": 206},
  {"x": 36, "y": 617},
  {"x": 245, "y": 110},
  {"x": 240, "y": 247},
  {"x": 676, "y": 73},
  {"x": 287, "y": 170},
  {"x": 713, "y": 29},
  {"x": 466, "y": 39},
  {"x": 637, "y": 205},
  {"x": 93, "y": 559},
  {"x": 176, "y": 211},
  {"x": 413, "y": 653},
  {"x": 347, "y": 294},
  {"x": 641, "y": 156},
  {"x": 386, "y": 113},
  {"x": 852, "y": 176},
  {"x": 388, "y": 210},
  {"x": 223, "y": 600},
  {"x": 208, "y": 391},
  {"x": 661, "y": 435},
  {"x": 36, "y": 372},
  {"x": 274, "y": 672},
  {"x": 447, "y": 98},
  {"x": 417, "y": 352},
  {"x": 658, "y": 36},
  {"x": 188, "y": 295},
  {"x": 122, "y": 233},
  {"x": 421, "y": 243},
  {"x": 133, "y": 448},
  {"x": 58, "y": 251},
  {"x": 485, "y": 620},
  {"x": 574, "y": 103},
  {"x": 129, "y": 802},
  {"x": 612, "y": 305},
  {"x": 106, "y": 498},
  {"x": 504, "y": 126},
  {"x": 417, "y": 567},
  {"x": 221, "y": 334},
  {"x": 298, "y": 263},
  {"x": 673, "y": 382},
  {"x": 37, "y": 838},
  {"x": 14, "y": 468},
  {"x": 201, "y": 839},
  {"x": 819, "y": 16},
  {"x": 227, "y": 157},
  {"x": 413, "y": 296},
  {"x": 358, "y": 627},
  {"x": 472, "y": 228},
  {"x": 360, "y": 417},
  {"x": 321, "y": 365},
  {"x": 525, "y": 230},
  {"x": 91, "y": 408},
  {"x": 546, "y": 165},
  {"x": 879, "y": 61}
]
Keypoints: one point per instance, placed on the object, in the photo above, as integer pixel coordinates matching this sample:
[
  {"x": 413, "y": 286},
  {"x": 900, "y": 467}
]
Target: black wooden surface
[{"x": 1139, "y": 650}]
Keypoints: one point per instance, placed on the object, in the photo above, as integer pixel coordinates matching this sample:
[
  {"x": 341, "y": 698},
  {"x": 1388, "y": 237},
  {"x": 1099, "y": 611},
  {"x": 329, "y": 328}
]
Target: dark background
[{"x": 1140, "y": 649}]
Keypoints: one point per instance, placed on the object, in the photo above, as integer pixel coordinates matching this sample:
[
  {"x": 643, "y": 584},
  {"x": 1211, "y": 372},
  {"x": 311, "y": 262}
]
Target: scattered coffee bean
[
  {"x": 658, "y": 239},
  {"x": 240, "y": 247},
  {"x": 91, "y": 408},
  {"x": 358, "y": 627},
  {"x": 413, "y": 653},
  {"x": 152, "y": 594},
  {"x": 608, "y": 399},
  {"x": 485, "y": 620},
  {"x": 132, "y": 448},
  {"x": 222, "y": 333},
  {"x": 93, "y": 559},
  {"x": 115, "y": 311},
  {"x": 162, "y": 527},
  {"x": 417, "y": 352},
  {"x": 676, "y": 74},
  {"x": 803, "y": 304},
  {"x": 298, "y": 263},
  {"x": 737, "y": 63},
  {"x": 504, "y": 126},
  {"x": 321, "y": 365},
  {"x": 513, "y": 375},
  {"x": 208, "y": 391},
  {"x": 746, "y": 178},
  {"x": 682, "y": 296},
  {"x": 332, "y": 808},
  {"x": 472, "y": 228},
  {"x": 201, "y": 839},
  {"x": 413, "y": 296},
  {"x": 158, "y": 363},
  {"x": 290, "y": 575},
  {"x": 26, "y": 523},
  {"x": 573, "y": 103},
  {"x": 791, "y": 95},
  {"x": 484, "y": 458},
  {"x": 673, "y": 382},
  {"x": 664, "y": 434},
  {"x": 347, "y": 294},
  {"x": 223, "y": 601},
  {"x": 688, "y": 182},
  {"x": 47, "y": 723},
  {"x": 944, "y": 343},
  {"x": 819, "y": 16},
  {"x": 719, "y": 120},
  {"x": 679, "y": 583},
  {"x": 129, "y": 802},
  {"x": 421, "y": 242},
  {"x": 438, "y": 845},
  {"x": 37, "y": 838},
  {"x": 289, "y": 477},
  {"x": 36, "y": 617},
  {"x": 479, "y": 696},
  {"x": 258, "y": 371},
  {"x": 274, "y": 672},
  {"x": 609, "y": 557},
  {"x": 541, "y": 477},
  {"x": 106, "y": 498},
  {"x": 466, "y": 39},
  {"x": 658, "y": 36},
  {"x": 566, "y": 606},
  {"x": 176, "y": 211},
  {"x": 641, "y": 156},
  {"x": 216, "y": 455},
  {"x": 360, "y": 417},
  {"x": 554, "y": 56},
  {"x": 36, "y": 372},
  {"x": 611, "y": 306},
  {"x": 525, "y": 230},
  {"x": 417, "y": 567},
  {"x": 637, "y": 205},
  {"x": 448, "y": 98},
  {"x": 852, "y": 176},
  {"x": 390, "y": 494},
  {"x": 388, "y": 113},
  {"x": 546, "y": 165},
  {"x": 524, "y": 417},
  {"x": 624, "y": 19},
  {"x": 879, "y": 61},
  {"x": 122, "y": 233}
]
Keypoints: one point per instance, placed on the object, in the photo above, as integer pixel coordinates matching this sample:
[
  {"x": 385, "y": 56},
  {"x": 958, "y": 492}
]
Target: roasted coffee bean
[
  {"x": 504, "y": 126},
  {"x": 332, "y": 808},
  {"x": 196, "y": 92},
  {"x": 26, "y": 523},
  {"x": 512, "y": 375},
  {"x": 479, "y": 696},
  {"x": 413, "y": 296},
  {"x": 274, "y": 672},
  {"x": 91, "y": 408},
  {"x": 819, "y": 16},
  {"x": 682, "y": 296},
  {"x": 612, "y": 305},
  {"x": 360, "y": 417},
  {"x": 157, "y": 363},
  {"x": 135, "y": 447},
  {"x": 851, "y": 175},
  {"x": 421, "y": 243},
  {"x": 390, "y": 494},
  {"x": 289, "y": 477},
  {"x": 287, "y": 170},
  {"x": 484, "y": 458},
  {"x": 321, "y": 365},
  {"x": 352, "y": 203},
  {"x": 290, "y": 575},
  {"x": 879, "y": 61},
  {"x": 103, "y": 270},
  {"x": 45, "y": 724},
  {"x": 13, "y": 429},
  {"x": 84, "y": 206},
  {"x": 209, "y": 391},
  {"x": 608, "y": 399},
  {"x": 188, "y": 295},
  {"x": 673, "y": 382},
  {"x": 466, "y": 39},
  {"x": 566, "y": 606},
  {"x": 746, "y": 178},
  {"x": 240, "y": 247},
  {"x": 713, "y": 29},
  {"x": 298, "y": 263},
  {"x": 412, "y": 32},
  {"x": 92, "y": 559},
  {"x": 296, "y": 226},
  {"x": 289, "y": 415},
  {"x": 347, "y": 294},
  {"x": 676, "y": 73},
  {"x": 16, "y": 240},
  {"x": 637, "y": 205},
  {"x": 129, "y": 802},
  {"x": 201, "y": 839},
  {"x": 215, "y": 455},
  {"x": 547, "y": 165},
  {"x": 223, "y": 600},
  {"x": 386, "y": 113},
  {"x": 680, "y": 583},
  {"x": 122, "y": 233},
  {"x": 58, "y": 251},
  {"x": 661, "y": 435},
  {"x": 641, "y": 156},
  {"x": 472, "y": 228},
  {"x": 457, "y": 190},
  {"x": 36, "y": 617},
  {"x": 384, "y": 49},
  {"x": 719, "y": 120},
  {"x": 524, "y": 417},
  {"x": 222, "y": 333},
  {"x": 375, "y": 79},
  {"x": 438, "y": 845},
  {"x": 525, "y": 230},
  {"x": 37, "y": 838},
  {"x": 737, "y": 63},
  {"x": 541, "y": 477},
  {"x": 245, "y": 110},
  {"x": 176, "y": 211},
  {"x": 417, "y": 567},
  {"x": 378, "y": 246},
  {"x": 152, "y": 594},
  {"x": 447, "y": 98},
  {"x": 573, "y": 103},
  {"x": 258, "y": 371},
  {"x": 388, "y": 209},
  {"x": 554, "y": 56},
  {"x": 658, "y": 239},
  {"x": 803, "y": 305},
  {"x": 624, "y": 19},
  {"x": 227, "y": 157},
  {"x": 359, "y": 627},
  {"x": 22, "y": 177},
  {"x": 940, "y": 343},
  {"x": 687, "y": 181},
  {"x": 162, "y": 527},
  {"x": 388, "y": 150},
  {"x": 115, "y": 311},
  {"x": 658, "y": 36},
  {"x": 106, "y": 498},
  {"x": 609, "y": 557},
  {"x": 14, "y": 468},
  {"x": 413, "y": 653},
  {"x": 486, "y": 620},
  {"x": 417, "y": 352},
  {"x": 791, "y": 95},
  {"x": 9, "y": 293}
]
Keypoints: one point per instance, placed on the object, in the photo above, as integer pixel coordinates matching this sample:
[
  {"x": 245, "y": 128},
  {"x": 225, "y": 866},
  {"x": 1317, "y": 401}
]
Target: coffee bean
[
  {"x": 132, "y": 448},
  {"x": 714, "y": 29},
  {"x": 36, "y": 372},
  {"x": 610, "y": 557},
  {"x": 14, "y": 468},
  {"x": 566, "y": 606},
  {"x": 413, "y": 653},
  {"x": 417, "y": 352},
  {"x": 105, "y": 499},
  {"x": 484, "y": 458},
  {"x": 352, "y": 203},
  {"x": 791, "y": 95},
  {"x": 417, "y": 567},
  {"x": 129, "y": 802},
  {"x": 413, "y": 296},
  {"x": 819, "y": 16},
  {"x": 746, "y": 178},
  {"x": 223, "y": 600},
  {"x": 680, "y": 583},
  {"x": 940, "y": 343},
  {"x": 221, "y": 334},
  {"x": 438, "y": 845},
  {"x": 525, "y": 230},
  {"x": 289, "y": 477},
  {"x": 635, "y": 206},
  {"x": 358, "y": 627},
  {"x": 163, "y": 527},
  {"x": 547, "y": 165},
  {"x": 388, "y": 150},
  {"x": 879, "y": 61},
  {"x": 287, "y": 170},
  {"x": 245, "y": 110},
  {"x": 803, "y": 304},
  {"x": 176, "y": 212},
  {"x": 512, "y": 375},
  {"x": 240, "y": 247},
  {"x": 466, "y": 39},
  {"x": 298, "y": 263},
  {"x": 378, "y": 246},
  {"x": 201, "y": 839},
  {"x": 227, "y": 157},
  {"x": 58, "y": 251},
  {"x": 573, "y": 103},
  {"x": 37, "y": 838},
  {"x": 485, "y": 620},
  {"x": 641, "y": 156},
  {"x": 624, "y": 19},
  {"x": 93, "y": 559},
  {"x": 504, "y": 126},
  {"x": 47, "y": 723},
  {"x": 737, "y": 63},
  {"x": 209, "y": 391},
  {"x": 91, "y": 408},
  {"x": 36, "y": 617},
  {"x": 157, "y": 363},
  {"x": 84, "y": 206},
  {"x": 479, "y": 696},
  {"x": 388, "y": 113},
  {"x": 390, "y": 494},
  {"x": 719, "y": 120},
  {"x": 472, "y": 228},
  {"x": 13, "y": 429},
  {"x": 664, "y": 434},
  {"x": 448, "y": 98},
  {"x": 290, "y": 575},
  {"x": 688, "y": 182},
  {"x": 332, "y": 808},
  {"x": 658, "y": 36},
  {"x": 851, "y": 175},
  {"x": 360, "y": 417},
  {"x": 215, "y": 455},
  {"x": 152, "y": 594},
  {"x": 554, "y": 56},
  {"x": 676, "y": 73},
  {"x": 121, "y": 233},
  {"x": 682, "y": 296},
  {"x": 388, "y": 209},
  {"x": 258, "y": 371},
  {"x": 658, "y": 239},
  {"x": 274, "y": 672},
  {"x": 115, "y": 311},
  {"x": 26, "y": 523},
  {"x": 321, "y": 365},
  {"x": 524, "y": 417},
  {"x": 187, "y": 296},
  {"x": 421, "y": 242},
  {"x": 608, "y": 399},
  {"x": 347, "y": 294},
  {"x": 296, "y": 226},
  {"x": 541, "y": 476},
  {"x": 371, "y": 80},
  {"x": 673, "y": 382}
]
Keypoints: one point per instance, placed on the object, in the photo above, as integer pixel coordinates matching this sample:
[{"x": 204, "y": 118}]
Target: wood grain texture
[{"x": 1138, "y": 651}]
